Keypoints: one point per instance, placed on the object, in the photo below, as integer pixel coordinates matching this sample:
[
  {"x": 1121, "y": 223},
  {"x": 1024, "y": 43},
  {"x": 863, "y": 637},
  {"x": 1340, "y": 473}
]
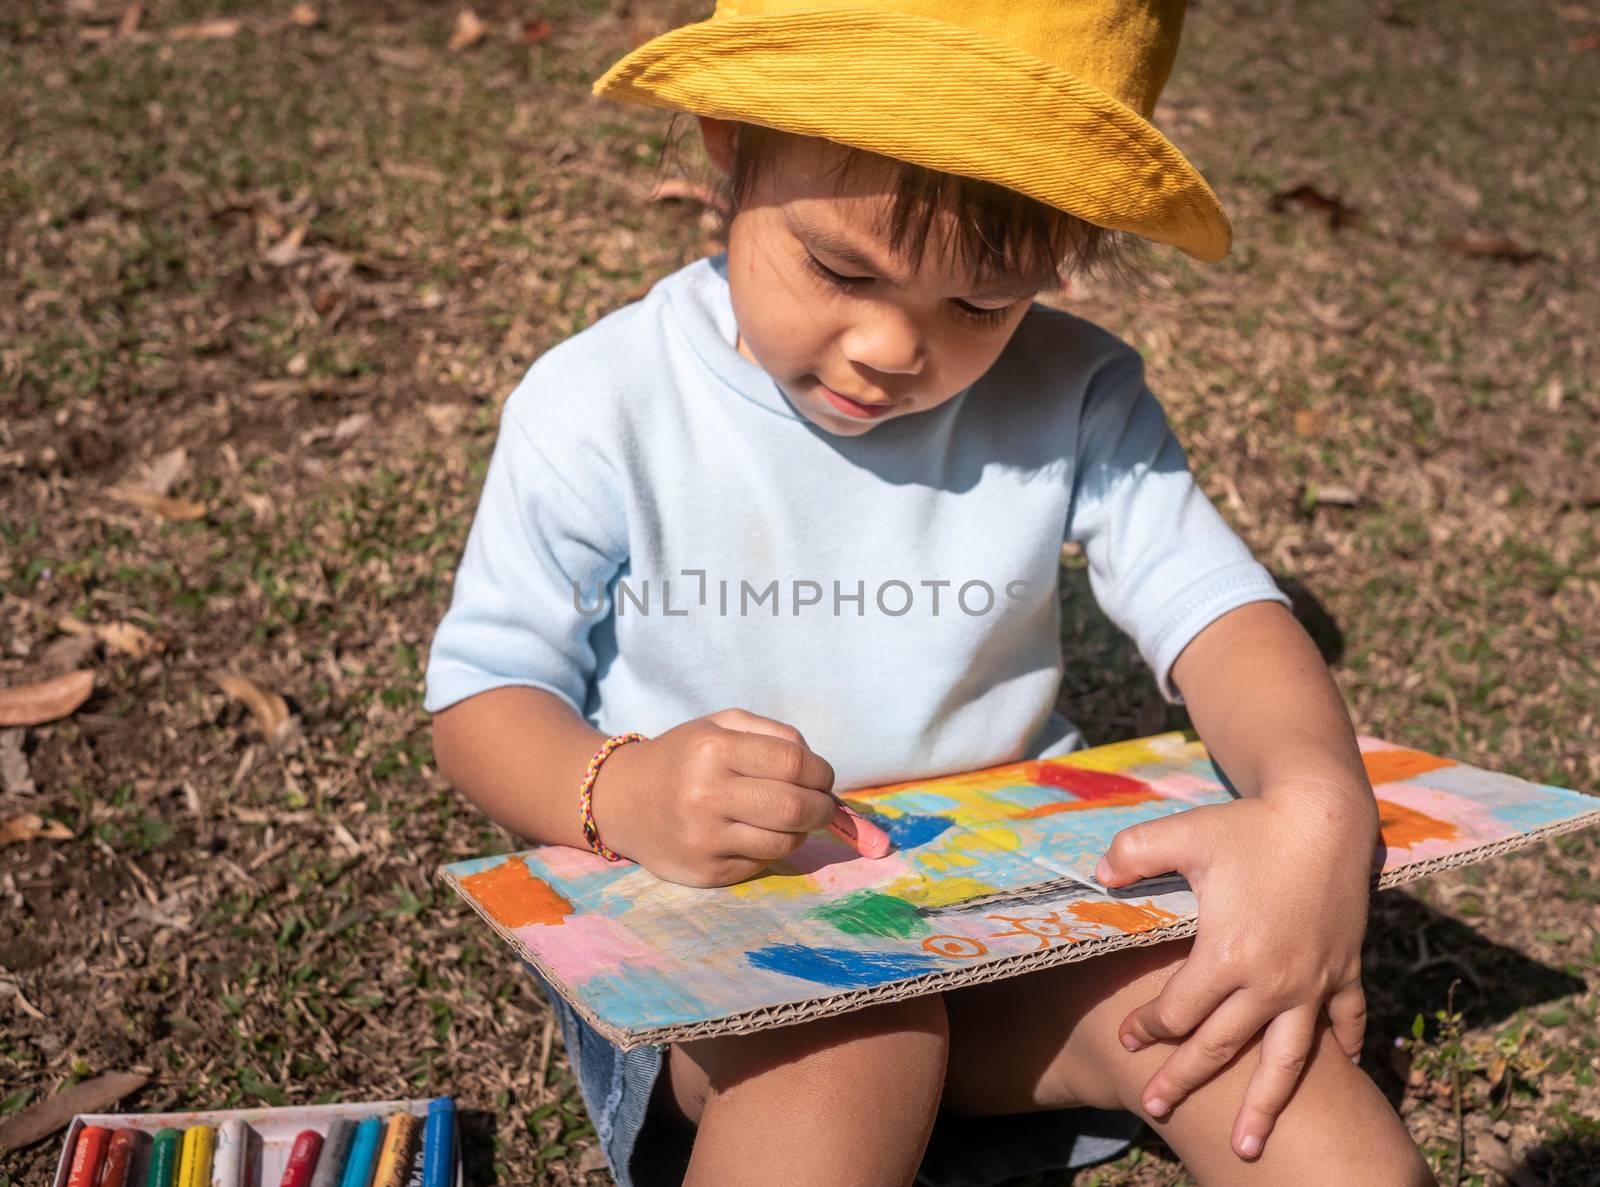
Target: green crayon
[{"x": 163, "y": 1159}]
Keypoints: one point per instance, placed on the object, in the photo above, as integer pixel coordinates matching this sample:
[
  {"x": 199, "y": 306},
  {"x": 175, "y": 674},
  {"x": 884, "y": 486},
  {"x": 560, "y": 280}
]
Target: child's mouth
[{"x": 851, "y": 407}]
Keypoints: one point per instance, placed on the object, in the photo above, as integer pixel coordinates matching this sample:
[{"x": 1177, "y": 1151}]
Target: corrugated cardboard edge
[{"x": 787, "y": 1013}]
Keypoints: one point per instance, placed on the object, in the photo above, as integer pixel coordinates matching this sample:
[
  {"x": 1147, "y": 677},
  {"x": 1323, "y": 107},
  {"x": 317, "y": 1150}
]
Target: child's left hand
[{"x": 1282, "y": 880}]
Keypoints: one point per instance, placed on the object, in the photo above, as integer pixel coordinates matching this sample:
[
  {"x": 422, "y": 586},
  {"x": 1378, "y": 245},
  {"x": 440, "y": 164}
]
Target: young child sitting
[{"x": 834, "y": 468}]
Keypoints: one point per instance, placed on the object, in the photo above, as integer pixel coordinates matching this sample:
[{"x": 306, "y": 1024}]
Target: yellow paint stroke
[
  {"x": 776, "y": 884},
  {"x": 1117, "y": 757},
  {"x": 957, "y": 852},
  {"x": 937, "y": 892},
  {"x": 514, "y": 897},
  {"x": 1404, "y": 827},
  {"x": 1391, "y": 766},
  {"x": 1128, "y": 918}
]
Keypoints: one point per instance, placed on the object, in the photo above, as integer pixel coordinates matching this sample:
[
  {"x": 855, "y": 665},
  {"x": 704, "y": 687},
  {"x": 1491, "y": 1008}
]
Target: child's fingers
[
  {"x": 1347, "y": 1010},
  {"x": 1285, "y": 1047},
  {"x": 779, "y": 807},
  {"x": 767, "y": 756},
  {"x": 762, "y": 845},
  {"x": 743, "y": 719},
  {"x": 1153, "y": 848},
  {"x": 1185, "y": 1001},
  {"x": 1204, "y": 1053}
]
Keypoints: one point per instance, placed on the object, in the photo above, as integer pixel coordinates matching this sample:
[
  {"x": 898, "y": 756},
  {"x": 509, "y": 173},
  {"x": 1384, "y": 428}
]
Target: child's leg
[
  {"x": 1049, "y": 1040},
  {"x": 844, "y": 1100}
]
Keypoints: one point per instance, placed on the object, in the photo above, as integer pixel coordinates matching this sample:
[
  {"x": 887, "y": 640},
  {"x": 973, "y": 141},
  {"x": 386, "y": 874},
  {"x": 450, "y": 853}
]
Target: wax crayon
[
  {"x": 363, "y": 1154},
  {"x": 88, "y": 1152},
  {"x": 859, "y": 833},
  {"x": 302, "y": 1159},
  {"x": 394, "y": 1159},
  {"x": 418, "y": 1155},
  {"x": 118, "y": 1170},
  {"x": 163, "y": 1168},
  {"x": 194, "y": 1160},
  {"x": 438, "y": 1163},
  {"x": 228, "y": 1163},
  {"x": 335, "y": 1153}
]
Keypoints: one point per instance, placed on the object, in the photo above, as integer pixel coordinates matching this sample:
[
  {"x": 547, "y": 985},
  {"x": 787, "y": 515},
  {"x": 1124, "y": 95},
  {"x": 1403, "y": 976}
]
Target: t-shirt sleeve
[
  {"x": 1162, "y": 563},
  {"x": 547, "y": 539}
]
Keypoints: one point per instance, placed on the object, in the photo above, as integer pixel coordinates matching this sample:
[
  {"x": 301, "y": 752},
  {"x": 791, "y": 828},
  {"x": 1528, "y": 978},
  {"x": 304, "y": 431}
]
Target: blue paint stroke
[
  {"x": 841, "y": 967},
  {"x": 909, "y": 830}
]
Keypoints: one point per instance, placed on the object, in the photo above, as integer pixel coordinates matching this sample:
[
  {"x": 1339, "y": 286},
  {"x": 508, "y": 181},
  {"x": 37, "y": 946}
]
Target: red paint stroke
[
  {"x": 1090, "y": 789},
  {"x": 514, "y": 897},
  {"x": 1391, "y": 766}
]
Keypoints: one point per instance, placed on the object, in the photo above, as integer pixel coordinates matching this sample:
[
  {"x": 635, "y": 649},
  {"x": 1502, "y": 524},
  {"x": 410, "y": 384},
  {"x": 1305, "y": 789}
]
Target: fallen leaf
[
  {"x": 164, "y": 506},
  {"x": 469, "y": 30},
  {"x": 161, "y": 474},
  {"x": 1580, "y": 45},
  {"x": 269, "y": 709},
  {"x": 535, "y": 31},
  {"x": 35, "y": 704},
  {"x": 1336, "y": 496},
  {"x": 96, "y": 33},
  {"x": 304, "y": 15},
  {"x": 16, "y": 778},
  {"x": 286, "y": 250},
  {"x": 129, "y": 21},
  {"x": 122, "y": 637},
  {"x": 1308, "y": 422},
  {"x": 445, "y": 418},
  {"x": 1338, "y": 212},
  {"x": 1493, "y": 247},
  {"x": 212, "y": 30},
  {"x": 31, "y": 826},
  {"x": 90, "y": 1096},
  {"x": 352, "y": 426},
  {"x": 405, "y": 58},
  {"x": 68, "y": 653}
]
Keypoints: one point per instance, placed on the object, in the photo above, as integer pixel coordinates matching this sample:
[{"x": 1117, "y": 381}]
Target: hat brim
[{"x": 936, "y": 95}]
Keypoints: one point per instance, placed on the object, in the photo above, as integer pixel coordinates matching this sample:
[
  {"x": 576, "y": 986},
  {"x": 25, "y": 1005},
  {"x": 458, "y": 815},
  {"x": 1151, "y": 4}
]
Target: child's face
[{"x": 883, "y": 341}]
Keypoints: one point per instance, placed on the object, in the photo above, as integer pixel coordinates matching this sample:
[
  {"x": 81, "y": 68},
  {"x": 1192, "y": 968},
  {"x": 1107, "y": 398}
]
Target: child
[{"x": 791, "y": 524}]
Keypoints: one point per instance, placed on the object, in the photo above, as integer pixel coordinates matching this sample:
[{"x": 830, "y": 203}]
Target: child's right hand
[{"x": 714, "y": 800}]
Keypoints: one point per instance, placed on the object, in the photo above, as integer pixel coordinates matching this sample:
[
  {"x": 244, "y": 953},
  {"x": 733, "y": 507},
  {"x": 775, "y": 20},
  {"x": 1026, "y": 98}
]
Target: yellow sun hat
[{"x": 1051, "y": 98}]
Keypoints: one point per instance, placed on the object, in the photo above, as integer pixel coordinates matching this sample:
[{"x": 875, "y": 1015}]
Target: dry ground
[{"x": 317, "y": 257}]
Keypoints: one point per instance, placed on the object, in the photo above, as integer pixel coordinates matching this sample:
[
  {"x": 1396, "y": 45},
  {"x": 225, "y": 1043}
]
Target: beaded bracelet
[{"x": 586, "y": 794}]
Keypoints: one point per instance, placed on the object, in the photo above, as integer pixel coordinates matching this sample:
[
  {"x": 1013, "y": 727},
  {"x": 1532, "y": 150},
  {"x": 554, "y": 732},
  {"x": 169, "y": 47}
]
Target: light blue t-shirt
[{"x": 662, "y": 535}]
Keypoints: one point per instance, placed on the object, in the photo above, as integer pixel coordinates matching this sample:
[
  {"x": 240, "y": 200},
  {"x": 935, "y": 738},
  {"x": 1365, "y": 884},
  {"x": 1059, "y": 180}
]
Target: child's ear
[{"x": 718, "y": 136}]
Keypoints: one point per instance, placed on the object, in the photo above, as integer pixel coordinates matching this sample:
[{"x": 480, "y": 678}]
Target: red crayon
[
  {"x": 302, "y": 1159},
  {"x": 859, "y": 833},
  {"x": 120, "y": 1151},
  {"x": 87, "y": 1156}
]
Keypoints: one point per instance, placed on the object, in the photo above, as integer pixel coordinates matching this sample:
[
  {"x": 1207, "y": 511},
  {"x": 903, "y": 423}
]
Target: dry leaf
[
  {"x": 269, "y": 709},
  {"x": 16, "y": 778},
  {"x": 163, "y": 473},
  {"x": 1338, "y": 212},
  {"x": 1580, "y": 45},
  {"x": 286, "y": 250},
  {"x": 352, "y": 426},
  {"x": 405, "y": 58},
  {"x": 129, "y": 21},
  {"x": 445, "y": 418},
  {"x": 31, "y": 826},
  {"x": 303, "y": 15},
  {"x": 469, "y": 30},
  {"x": 43, "y": 1119},
  {"x": 165, "y": 506},
  {"x": 1493, "y": 247},
  {"x": 1336, "y": 496},
  {"x": 535, "y": 31},
  {"x": 212, "y": 30},
  {"x": 68, "y": 653},
  {"x": 35, "y": 704}
]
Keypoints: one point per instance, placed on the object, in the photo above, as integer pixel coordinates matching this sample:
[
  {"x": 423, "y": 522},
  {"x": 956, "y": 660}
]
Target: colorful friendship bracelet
[{"x": 586, "y": 794}]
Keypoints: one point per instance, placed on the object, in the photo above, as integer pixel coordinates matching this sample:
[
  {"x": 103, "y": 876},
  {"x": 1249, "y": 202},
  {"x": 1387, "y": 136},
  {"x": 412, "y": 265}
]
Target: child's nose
[{"x": 887, "y": 339}]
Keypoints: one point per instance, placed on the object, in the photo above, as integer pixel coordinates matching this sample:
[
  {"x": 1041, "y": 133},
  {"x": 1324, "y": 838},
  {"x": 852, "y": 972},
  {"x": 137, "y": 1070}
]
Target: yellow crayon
[
  {"x": 394, "y": 1159},
  {"x": 194, "y": 1163}
]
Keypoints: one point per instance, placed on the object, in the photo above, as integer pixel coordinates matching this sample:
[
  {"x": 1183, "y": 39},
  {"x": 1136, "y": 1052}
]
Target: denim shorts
[{"x": 643, "y": 1149}]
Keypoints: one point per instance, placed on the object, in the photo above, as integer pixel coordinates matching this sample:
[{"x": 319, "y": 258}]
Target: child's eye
[
  {"x": 985, "y": 316},
  {"x": 818, "y": 268}
]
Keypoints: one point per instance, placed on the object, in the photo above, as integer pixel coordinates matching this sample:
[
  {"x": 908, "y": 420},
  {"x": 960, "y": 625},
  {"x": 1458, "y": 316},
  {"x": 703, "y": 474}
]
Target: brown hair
[{"x": 998, "y": 231}]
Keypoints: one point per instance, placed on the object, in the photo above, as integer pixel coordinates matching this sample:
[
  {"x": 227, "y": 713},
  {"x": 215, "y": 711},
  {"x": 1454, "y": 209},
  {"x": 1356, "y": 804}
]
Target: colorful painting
[{"x": 991, "y": 876}]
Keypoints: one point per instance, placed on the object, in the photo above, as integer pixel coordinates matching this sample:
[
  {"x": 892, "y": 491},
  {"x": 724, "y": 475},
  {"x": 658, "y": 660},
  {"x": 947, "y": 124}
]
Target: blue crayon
[
  {"x": 438, "y": 1147},
  {"x": 363, "y": 1158}
]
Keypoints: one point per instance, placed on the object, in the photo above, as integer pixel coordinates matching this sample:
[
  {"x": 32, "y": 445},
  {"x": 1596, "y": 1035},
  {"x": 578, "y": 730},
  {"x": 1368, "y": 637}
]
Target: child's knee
[{"x": 903, "y": 1044}]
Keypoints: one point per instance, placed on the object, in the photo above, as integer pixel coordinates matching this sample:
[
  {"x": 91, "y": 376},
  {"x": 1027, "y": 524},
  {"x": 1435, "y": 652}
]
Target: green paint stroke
[{"x": 868, "y": 913}]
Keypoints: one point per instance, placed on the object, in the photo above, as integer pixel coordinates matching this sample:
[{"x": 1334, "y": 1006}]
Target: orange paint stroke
[
  {"x": 1111, "y": 801},
  {"x": 1127, "y": 918},
  {"x": 956, "y": 947},
  {"x": 1404, "y": 827},
  {"x": 1391, "y": 766},
  {"x": 514, "y": 897}
]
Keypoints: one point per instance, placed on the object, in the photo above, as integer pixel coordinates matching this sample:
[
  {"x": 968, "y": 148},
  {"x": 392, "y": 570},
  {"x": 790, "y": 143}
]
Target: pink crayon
[{"x": 859, "y": 833}]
